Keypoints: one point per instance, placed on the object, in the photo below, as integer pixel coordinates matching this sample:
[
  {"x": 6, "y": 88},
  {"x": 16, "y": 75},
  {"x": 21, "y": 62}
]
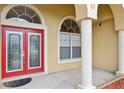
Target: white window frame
[{"x": 61, "y": 61}]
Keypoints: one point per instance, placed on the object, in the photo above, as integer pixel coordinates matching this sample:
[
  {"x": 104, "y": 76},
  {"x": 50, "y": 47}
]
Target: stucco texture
[{"x": 53, "y": 14}]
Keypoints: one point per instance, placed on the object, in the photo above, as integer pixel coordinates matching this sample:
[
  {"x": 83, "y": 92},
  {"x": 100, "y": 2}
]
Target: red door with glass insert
[
  {"x": 22, "y": 51},
  {"x": 34, "y": 50}
]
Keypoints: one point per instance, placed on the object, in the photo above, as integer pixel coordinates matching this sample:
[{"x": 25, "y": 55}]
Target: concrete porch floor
[{"x": 66, "y": 80}]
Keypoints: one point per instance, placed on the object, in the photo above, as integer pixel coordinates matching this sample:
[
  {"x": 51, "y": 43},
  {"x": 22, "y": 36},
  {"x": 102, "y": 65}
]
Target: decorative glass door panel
[
  {"x": 22, "y": 51},
  {"x": 34, "y": 40},
  {"x": 35, "y": 48},
  {"x": 14, "y": 47}
]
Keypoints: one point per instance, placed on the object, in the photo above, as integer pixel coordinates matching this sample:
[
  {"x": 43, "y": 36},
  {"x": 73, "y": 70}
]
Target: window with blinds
[{"x": 70, "y": 40}]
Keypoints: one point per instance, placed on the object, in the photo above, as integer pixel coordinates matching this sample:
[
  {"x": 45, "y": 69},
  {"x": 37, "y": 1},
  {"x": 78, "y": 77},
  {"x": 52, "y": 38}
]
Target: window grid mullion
[
  {"x": 19, "y": 14},
  {"x": 71, "y": 44},
  {"x": 25, "y": 10},
  {"x": 15, "y": 11}
]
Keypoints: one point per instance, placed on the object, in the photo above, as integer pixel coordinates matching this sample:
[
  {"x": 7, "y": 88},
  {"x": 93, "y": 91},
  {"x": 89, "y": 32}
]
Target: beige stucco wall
[
  {"x": 53, "y": 14},
  {"x": 118, "y": 12},
  {"x": 105, "y": 41}
]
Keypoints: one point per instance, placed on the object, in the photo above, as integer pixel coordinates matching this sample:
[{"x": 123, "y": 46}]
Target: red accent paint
[
  {"x": 4, "y": 73},
  {"x": 25, "y": 48}
]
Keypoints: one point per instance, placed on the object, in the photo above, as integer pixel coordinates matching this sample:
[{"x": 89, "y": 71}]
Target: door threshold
[{"x": 23, "y": 76}]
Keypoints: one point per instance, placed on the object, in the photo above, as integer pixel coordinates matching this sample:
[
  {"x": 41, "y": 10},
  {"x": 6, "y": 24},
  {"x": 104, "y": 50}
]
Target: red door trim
[
  {"x": 25, "y": 48},
  {"x": 42, "y": 51},
  {"x": 4, "y": 73}
]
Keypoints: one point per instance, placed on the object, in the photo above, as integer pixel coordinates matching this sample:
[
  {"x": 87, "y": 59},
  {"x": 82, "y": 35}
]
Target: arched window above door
[{"x": 23, "y": 14}]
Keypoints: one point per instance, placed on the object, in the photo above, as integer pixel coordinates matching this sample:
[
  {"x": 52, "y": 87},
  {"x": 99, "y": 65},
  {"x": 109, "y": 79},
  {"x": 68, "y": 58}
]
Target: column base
[
  {"x": 82, "y": 87},
  {"x": 118, "y": 73}
]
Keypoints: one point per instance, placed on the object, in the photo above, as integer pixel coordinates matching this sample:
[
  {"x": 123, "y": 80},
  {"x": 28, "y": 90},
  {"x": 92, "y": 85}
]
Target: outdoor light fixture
[{"x": 100, "y": 23}]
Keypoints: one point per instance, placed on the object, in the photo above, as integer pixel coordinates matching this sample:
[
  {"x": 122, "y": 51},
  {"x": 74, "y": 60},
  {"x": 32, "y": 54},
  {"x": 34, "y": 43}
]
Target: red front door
[{"x": 22, "y": 51}]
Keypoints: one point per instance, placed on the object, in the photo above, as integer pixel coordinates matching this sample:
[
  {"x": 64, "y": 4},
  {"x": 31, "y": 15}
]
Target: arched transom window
[
  {"x": 70, "y": 26},
  {"x": 23, "y": 14},
  {"x": 70, "y": 40}
]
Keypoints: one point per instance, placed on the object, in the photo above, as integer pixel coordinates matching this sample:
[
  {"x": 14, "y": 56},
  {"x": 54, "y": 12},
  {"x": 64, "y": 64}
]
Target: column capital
[{"x": 87, "y": 18}]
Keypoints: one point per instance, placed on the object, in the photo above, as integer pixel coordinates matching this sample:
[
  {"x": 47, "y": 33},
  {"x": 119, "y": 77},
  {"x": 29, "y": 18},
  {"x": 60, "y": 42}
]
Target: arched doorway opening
[{"x": 105, "y": 40}]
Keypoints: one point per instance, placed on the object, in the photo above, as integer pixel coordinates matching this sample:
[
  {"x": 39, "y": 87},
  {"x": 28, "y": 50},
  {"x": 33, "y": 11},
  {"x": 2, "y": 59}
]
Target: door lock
[{"x": 23, "y": 55}]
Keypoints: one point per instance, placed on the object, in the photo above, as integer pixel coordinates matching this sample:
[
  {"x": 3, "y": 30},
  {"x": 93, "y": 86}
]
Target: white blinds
[
  {"x": 65, "y": 39},
  {"x": 70, "y": 45},
  {"x": 76, "y": 41}
]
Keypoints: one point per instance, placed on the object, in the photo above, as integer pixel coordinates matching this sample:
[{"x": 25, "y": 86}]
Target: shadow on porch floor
[{"x": 66, "y": 80}]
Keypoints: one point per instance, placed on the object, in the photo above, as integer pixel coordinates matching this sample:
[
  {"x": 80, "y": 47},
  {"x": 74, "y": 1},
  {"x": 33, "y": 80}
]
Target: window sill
[{"x": 69, "y": 60}]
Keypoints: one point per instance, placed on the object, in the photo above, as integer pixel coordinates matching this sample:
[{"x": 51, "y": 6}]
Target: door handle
[{"x": 23, "y": 55}]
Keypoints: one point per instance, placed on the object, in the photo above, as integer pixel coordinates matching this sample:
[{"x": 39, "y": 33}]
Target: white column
[
  {"x": 86, "y": 52},
  {"x": 121, "y": 53}
]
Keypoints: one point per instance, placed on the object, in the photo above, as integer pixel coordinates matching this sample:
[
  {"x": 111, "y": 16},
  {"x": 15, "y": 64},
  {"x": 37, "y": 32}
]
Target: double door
[{"x": 22, "y": 51}]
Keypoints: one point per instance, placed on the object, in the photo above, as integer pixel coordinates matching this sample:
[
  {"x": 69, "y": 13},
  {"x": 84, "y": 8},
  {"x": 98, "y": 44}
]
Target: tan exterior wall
[
  {"x": 105, "y": 41},
  {"x": 53, "y": 14},
  {"x": 118, "y": 13}
]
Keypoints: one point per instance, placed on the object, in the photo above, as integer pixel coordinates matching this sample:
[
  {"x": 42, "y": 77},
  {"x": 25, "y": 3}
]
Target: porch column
[
  {"x": 121, "y": 53},
  {"x": 86, "y": 52}
]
